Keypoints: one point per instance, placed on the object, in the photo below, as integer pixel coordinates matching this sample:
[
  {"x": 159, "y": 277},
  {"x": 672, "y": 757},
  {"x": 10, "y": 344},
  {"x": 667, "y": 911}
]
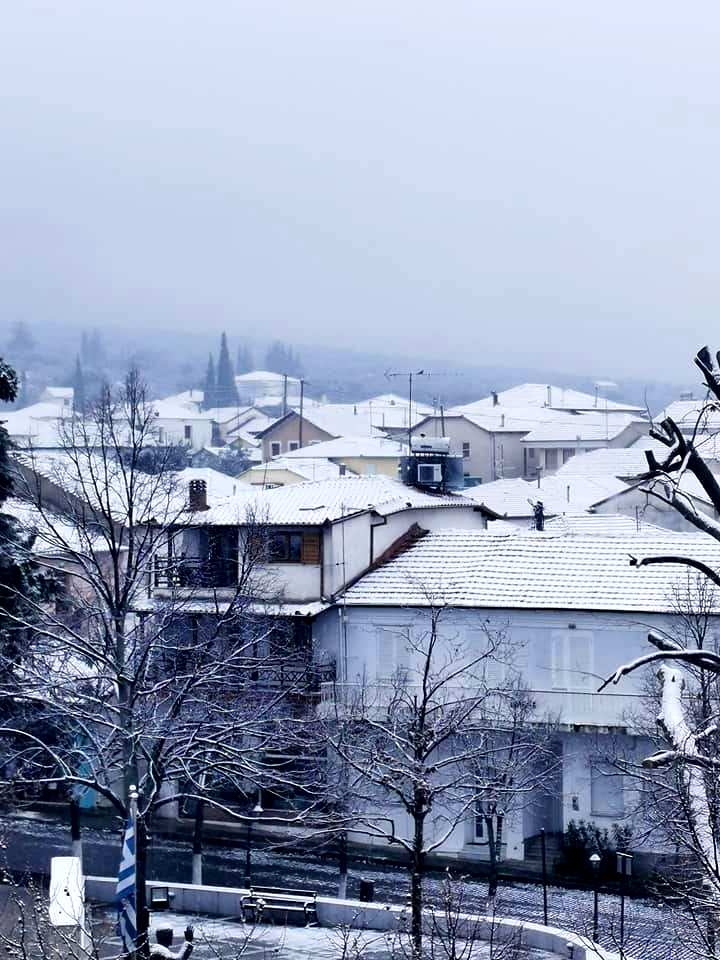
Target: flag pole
[{"x": 126, "y": 890}]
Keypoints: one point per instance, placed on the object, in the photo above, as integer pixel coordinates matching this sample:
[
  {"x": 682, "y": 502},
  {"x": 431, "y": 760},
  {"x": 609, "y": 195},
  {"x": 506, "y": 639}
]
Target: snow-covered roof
[
  {"x": 548, "y": 395},
  {"x": 337, "y": 420},
  {"x": 54, "y": 535},
  {"x": 375, "y": 448},
  {"x": 58, "y": 393},
  {"x": 263, "y": 375},
  {"x": 688, "y": 413},
  {"x": 170, "y": 410},
  {"x": 584, "y": 427},
  {"x": 219, "y": 485},
  {"x": 314, "y": 503},
  {"x": 608, "y": 462},
  {"x": 226, "y": 414},
  {"x": 560, "y": 571},
  {"x": 193, "y": 397},
  {"x": 603, "y": 524},
  {"x": 306, "y": 468},
  {"x": 509, "y": 419},
  {"x": 513, "y": 498}
]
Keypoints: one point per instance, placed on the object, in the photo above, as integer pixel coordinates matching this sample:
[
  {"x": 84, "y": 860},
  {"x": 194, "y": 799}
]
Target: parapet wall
[{"x": 225, "y": 902}]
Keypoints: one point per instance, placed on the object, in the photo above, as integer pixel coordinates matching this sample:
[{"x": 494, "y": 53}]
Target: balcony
[
  {"x": 570, "y": 708},
  {"x": 188, "y": 572}
]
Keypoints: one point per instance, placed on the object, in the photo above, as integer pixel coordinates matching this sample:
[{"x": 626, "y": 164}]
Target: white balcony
[{"x": 568, "y": 707}]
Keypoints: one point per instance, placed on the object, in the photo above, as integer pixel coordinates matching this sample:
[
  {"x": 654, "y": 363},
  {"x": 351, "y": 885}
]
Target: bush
[{"x": 582, "y": 839}]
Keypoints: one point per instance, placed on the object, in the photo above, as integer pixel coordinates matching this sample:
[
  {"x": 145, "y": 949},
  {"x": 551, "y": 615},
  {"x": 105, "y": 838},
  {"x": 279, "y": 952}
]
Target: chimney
[
  {"x": 197, "y": 499},
  {"x": 495, "y": 398},
  {"x": 549, "y": 396},
  {"x": 502, "y": 419}
]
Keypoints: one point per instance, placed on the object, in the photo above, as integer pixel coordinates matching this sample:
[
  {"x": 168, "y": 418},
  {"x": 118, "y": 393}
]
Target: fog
[{"x": 489, "y": 181}]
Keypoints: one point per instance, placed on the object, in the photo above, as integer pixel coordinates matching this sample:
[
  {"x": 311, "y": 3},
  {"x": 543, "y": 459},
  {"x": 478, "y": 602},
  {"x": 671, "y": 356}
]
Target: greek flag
[{"x": 125, "y": 890}]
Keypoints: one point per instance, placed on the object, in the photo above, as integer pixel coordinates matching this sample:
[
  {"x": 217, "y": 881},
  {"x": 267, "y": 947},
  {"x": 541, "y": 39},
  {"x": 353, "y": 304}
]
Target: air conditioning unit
[{"x": 429, "y": 473}]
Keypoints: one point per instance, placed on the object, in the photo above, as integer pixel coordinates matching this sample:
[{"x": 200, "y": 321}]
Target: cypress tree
[
  {"x": 244, "y": 362},
  {"x": 226, "y": 394},
  {"x": 79, "y": 401},
  {"x": 210, "y": 385}
]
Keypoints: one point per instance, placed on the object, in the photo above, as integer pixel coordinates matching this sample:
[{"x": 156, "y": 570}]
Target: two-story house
[{"x": 575, "y": 610}]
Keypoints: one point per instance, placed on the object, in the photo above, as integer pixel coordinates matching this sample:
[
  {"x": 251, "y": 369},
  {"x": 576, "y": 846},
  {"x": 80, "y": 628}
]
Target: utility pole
[
  {"x": 300, "y": 421},
  {"x": 409, "y": 375}
]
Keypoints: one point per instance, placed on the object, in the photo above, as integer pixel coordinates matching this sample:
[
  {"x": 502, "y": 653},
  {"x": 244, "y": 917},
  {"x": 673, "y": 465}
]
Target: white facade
[{"x": 563, "y": 657}]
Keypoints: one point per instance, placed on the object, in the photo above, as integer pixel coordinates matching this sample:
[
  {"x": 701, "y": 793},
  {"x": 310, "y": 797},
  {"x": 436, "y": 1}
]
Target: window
[
  {"x": 606, "y": 790},
  {"x": 551, "y": 459},
  {"x": 370, "y": 469},
  {"x": 293, "y": 445},
  {"x": 188, "y": 432},
  {"x": 393, "y": 651},
  {"x": 531, "y": 453},
  {"x": 567, "y": 453},
  {"x": 466, "y": 450},
  {"x": 289, "y": 547},
  {"x": 161, "y": 434},
  {"x": 275, "y": 448},
  {"x": 571, "y": 653}
]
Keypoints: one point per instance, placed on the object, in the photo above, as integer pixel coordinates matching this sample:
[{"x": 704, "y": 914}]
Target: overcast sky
[{"x": 505, "y": 181}]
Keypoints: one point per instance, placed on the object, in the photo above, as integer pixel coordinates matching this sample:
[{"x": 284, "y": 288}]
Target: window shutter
[
  {"x": 558, "y": 660},
  {"x": 311, "y": 548}
]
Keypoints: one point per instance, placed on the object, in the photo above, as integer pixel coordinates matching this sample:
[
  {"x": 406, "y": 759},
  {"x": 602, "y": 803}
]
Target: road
[{"x": 29, "y": 844}]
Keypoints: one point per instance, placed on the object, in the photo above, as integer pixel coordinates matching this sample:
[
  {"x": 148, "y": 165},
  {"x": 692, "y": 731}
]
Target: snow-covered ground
[
  {"x": 225, "y": 939},
  {"x": 650, "y": 932}
]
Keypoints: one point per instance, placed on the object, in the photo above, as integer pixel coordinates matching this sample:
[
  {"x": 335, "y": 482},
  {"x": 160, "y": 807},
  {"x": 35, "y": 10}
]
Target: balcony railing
[
  {"x": 583, "y": 708},
  {"x": 183, "y": 572}
]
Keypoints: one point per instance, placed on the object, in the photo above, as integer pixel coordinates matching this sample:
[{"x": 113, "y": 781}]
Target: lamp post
[
  {"x": 595, "y": 864},
  {"x": 624, "y": 868},
  {"x": 256, "y": 813}
]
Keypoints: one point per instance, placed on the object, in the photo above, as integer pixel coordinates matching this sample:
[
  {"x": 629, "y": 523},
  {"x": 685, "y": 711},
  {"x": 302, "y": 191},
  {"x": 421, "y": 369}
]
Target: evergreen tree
[
  {"x": 244, "y": 362},
  {"x": 19, "y": 579},
  {"x": 210, "y": 385},
  {"x": 226, "y": 394},
  {"x": 276, "y": 358},
  {"x": 79, "y": 401},
  {"x": 98, "y": 349},
  {"x": 281, "y": 358}
]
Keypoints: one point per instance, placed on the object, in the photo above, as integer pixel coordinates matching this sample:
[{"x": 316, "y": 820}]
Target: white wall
[
  {"x": 563, "y": 658},
  {"x": 172, "y": 431}
]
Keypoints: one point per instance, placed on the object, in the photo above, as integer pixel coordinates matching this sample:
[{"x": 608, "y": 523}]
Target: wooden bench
[{"x": 276, "y": 904}]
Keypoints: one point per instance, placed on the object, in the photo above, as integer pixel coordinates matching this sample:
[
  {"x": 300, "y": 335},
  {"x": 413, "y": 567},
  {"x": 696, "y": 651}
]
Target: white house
[
  {"x": 321, "y": 535},
  {"x": 576, "y": 610}
]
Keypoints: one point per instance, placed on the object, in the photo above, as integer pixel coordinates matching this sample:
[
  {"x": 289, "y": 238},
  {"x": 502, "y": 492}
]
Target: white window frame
[
  {"x": 607, "y": 800},
  {"x": 570, "y": 670}
]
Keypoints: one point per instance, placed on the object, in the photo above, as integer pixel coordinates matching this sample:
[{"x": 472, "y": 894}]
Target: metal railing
[
  {"x": 183, "y": 572},
  {"x": 567, "y": 706}
]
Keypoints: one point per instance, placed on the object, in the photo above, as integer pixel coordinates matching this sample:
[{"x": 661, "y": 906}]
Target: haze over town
[{"x": 359, "y": 480}]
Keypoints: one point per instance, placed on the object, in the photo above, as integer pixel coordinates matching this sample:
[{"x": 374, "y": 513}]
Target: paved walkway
[{"x": 226, "y": 939}]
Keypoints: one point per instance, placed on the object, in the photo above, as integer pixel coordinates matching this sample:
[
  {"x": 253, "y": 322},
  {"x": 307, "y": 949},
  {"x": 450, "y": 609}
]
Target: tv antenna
[{"x": 389, "y": 374}]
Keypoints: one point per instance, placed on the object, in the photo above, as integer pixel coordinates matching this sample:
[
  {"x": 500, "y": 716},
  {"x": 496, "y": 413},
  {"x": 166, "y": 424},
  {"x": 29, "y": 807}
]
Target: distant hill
[{"x": 176, "y": 360}]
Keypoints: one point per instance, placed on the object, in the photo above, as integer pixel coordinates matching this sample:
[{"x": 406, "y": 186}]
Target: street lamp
[
  {"x": 595, "y": 864},
  {"x": 256, "y": 812}
]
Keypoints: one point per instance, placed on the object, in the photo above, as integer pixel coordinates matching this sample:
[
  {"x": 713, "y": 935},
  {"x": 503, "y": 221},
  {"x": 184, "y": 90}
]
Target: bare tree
[
  {"x": 155, "y": 673},
  {"x": 440, "y": 743},
  {"x": 680, "y": 776}
]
